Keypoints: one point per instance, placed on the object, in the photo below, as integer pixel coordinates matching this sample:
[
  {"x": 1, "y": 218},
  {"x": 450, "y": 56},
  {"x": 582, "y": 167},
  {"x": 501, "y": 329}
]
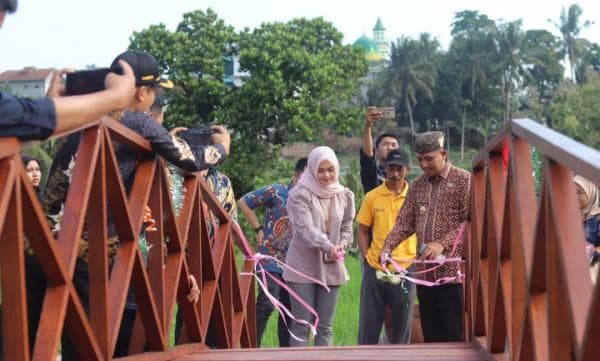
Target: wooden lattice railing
[
  {"x": 226, "y": 303},
  {"x": 529, "y": 291}
]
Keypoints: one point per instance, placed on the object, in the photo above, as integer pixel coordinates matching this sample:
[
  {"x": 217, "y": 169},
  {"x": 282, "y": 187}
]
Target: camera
[
  {"x": 88, "y": 81},
  {"x": 199, "y": 135}
]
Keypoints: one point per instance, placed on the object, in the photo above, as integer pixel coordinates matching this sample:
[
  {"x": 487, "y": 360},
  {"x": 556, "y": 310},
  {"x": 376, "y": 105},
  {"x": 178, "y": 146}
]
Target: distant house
[
  {"x": 28, "y": 82},
  {"x": 234, "y": 77}
]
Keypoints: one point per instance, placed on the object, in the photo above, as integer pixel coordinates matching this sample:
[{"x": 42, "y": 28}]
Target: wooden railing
[
  {"x": 529, "y": 291},
  {"x": 160, "y": 282}
]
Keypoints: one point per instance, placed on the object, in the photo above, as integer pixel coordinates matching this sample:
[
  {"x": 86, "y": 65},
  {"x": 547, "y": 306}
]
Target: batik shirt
[
  {"x": 188, "y": 157},
  {"x": 220, "y": 184},
  {"x": 277, "y": 228},
  {"x": 434, "y": 209}
]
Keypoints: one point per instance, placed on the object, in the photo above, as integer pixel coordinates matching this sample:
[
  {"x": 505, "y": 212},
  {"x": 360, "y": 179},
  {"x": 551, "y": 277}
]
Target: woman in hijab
[
  {"x": 321, "y": 211},
  {"x": 587, "y": 193}
]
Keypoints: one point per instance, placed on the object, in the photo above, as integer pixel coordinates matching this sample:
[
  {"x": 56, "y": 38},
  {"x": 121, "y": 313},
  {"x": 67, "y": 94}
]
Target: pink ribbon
[
  {"x": 256, "y": 259},
  {"x": 404, "y": 273}
]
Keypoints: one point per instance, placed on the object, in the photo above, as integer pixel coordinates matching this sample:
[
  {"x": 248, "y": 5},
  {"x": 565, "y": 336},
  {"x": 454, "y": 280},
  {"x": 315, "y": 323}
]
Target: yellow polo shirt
[{"x": 379, "y": 210}]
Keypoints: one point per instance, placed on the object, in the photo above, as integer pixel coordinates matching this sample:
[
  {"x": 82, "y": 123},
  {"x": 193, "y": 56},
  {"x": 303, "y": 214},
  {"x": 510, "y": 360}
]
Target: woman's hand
[{"x": 194, "y": 294}]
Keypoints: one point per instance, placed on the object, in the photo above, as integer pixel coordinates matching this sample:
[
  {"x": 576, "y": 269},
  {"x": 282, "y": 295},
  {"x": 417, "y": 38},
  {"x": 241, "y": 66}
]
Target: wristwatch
[{"x": 259, "y": 228}]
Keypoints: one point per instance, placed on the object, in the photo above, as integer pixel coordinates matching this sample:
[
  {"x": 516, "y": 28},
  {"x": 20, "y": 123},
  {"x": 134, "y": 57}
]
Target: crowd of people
[{"x": 409, "y": 235}]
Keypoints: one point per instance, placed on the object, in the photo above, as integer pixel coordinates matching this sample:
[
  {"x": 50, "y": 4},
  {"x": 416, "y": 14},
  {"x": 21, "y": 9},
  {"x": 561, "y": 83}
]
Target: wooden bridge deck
[{"x": 415, "y": 352}]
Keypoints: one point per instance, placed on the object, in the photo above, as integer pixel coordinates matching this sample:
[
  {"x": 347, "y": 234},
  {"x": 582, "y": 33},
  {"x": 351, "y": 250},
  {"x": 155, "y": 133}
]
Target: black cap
[
  {"x": 397, "y": 157},
  {"x": 144, "y": 67}
]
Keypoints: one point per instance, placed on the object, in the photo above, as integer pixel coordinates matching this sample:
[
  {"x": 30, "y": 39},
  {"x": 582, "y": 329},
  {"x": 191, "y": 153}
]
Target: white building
[{"x": 28, "y": 82}]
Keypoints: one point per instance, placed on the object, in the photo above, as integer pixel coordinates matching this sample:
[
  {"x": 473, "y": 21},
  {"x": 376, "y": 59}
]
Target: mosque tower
[{"x": 379, "y": 38}]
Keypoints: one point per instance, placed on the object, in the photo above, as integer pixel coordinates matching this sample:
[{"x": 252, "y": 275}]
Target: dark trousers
[
  {"x": 264, "y": 308},
  {"x": 375, "y": 296},
  {"x": 441, "y": 312}
]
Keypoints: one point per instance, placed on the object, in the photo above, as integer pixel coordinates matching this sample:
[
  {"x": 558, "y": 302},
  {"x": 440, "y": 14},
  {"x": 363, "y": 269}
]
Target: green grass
[{"x": 345, "y": 325}]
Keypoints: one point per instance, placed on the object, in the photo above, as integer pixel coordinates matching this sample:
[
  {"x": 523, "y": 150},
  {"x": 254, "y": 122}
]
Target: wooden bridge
[{"x": 528, "y": 293}]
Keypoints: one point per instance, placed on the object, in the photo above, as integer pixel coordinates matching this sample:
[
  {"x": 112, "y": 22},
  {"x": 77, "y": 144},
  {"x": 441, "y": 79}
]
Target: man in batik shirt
[
  {"x": 273, "y": 238},
  {"x": 435, "y": 207}
]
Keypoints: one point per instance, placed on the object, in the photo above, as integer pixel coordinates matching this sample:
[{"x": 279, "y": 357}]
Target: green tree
[
  {"x": 542, "y": 56},
  {"x": 513, "y": 61},
  {"x": 411, "y": 71},
  {"x": 472, "y": 58},
  {"x": 193, "y": 57},
  {"x": 575, "y": 111},
  {"x": 570, "y": 26},
  {"x": 589, "y": 62},
  {"x": 302, "y": 81}
]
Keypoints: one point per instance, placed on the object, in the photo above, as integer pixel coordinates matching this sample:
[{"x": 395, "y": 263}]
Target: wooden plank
[
  {"x": 431, "y": 351},
  {"x": 170, "y": 354}
]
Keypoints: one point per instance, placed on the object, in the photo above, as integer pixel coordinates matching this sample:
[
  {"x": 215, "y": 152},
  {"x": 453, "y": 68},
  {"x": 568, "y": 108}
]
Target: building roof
[
  {"x": 379, "y": 25},
  {"x": 370, "y": 47},
  {"x": 368, "y": 44},
  {"x": 28, "y": 73}
]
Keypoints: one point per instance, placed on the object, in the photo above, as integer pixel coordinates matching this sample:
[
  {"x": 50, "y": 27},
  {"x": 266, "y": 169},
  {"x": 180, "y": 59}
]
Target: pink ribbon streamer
[
  {"x": 404, "y": 273},
  {"x": 256, "y": 259}
]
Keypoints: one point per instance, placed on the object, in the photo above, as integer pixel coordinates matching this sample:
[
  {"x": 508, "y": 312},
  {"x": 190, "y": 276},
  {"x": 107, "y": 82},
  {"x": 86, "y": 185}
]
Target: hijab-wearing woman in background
[
  {"x": 34, "y": 172},
  {"x": 587, "y": 192},
  {"x": 321, "y": 211}
]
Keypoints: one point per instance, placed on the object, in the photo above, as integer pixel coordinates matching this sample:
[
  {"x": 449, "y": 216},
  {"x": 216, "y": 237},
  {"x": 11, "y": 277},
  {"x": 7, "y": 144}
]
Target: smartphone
[
  {"x": 87, "y": 81},
  {"x": 199, "y": 136},
  {"x": 386, "y": 112}
]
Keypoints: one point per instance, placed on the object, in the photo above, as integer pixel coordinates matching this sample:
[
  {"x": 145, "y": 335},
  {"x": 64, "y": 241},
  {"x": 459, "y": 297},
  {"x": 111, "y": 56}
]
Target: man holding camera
[
  {"x": 372, "y": 172},
  {"x": 37, "y": 119},
  {"x": 381, "y": 288},
  {"x": 436, "y": 206},
  {"x": 170, "y": 147}
]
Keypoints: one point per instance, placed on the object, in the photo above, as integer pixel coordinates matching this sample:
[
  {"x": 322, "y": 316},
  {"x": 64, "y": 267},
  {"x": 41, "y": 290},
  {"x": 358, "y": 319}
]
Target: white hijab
[{"x": 309, "y": 178}]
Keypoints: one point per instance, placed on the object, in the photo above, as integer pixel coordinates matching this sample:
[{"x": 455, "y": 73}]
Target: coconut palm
[
  {"x": 411, "y": 71},
  {"x": 570, "y": 26}
]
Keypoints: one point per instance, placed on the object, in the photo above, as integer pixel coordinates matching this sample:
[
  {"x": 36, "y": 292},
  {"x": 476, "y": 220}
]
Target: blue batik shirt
[{"x": 277, "y": 227}]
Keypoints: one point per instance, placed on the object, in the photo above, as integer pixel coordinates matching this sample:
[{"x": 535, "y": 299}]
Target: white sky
[{"x": 74, "y": 33}]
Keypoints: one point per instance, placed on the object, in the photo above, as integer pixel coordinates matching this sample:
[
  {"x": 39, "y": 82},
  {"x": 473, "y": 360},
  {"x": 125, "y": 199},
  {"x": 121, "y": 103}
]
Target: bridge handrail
[
  {"x": 529, "y": 294},
  {"x": 226, "y": 306}
]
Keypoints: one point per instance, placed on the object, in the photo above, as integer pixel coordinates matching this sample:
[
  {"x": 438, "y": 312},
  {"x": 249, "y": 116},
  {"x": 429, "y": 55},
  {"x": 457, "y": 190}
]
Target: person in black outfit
[
  {"x": 372, "y": 173},
  {"x": 188, "y": 157}
]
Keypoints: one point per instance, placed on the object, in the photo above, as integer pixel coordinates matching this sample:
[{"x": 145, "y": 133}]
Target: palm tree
[
  {"x": 411, "y": 71},
  {"x": 570, "y": 27},
  {"x": 511, "y": 41}
]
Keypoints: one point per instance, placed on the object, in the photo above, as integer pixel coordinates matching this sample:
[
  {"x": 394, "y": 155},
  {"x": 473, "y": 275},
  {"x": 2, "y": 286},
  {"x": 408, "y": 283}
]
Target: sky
[{"x": 76, "y": 33}]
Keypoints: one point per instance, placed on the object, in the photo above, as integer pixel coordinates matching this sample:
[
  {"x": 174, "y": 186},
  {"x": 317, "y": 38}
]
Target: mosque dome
[{"x": 370, "y": 47}]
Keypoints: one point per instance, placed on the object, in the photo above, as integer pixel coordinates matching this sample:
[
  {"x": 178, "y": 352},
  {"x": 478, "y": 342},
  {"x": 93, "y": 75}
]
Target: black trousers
[
  {"x": 375, "y": 296},
  {"x": 441, "y": 312},
  {"x": 264, "y": 308}
]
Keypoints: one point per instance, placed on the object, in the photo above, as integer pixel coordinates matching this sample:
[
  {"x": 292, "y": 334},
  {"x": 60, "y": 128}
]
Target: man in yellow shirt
[{"x": 379, "y": 289}]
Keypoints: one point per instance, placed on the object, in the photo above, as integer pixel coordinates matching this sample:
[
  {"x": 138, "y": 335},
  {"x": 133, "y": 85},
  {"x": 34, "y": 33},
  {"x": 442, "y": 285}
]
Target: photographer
[
  {"x": 37, "y": 119},
  {"x": 372, "y": 173},
  {"x": 171, "y": 148}
]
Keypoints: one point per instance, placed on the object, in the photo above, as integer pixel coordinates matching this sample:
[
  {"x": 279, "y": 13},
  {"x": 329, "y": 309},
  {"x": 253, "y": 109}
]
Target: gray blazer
[{"x": 309, "y": 237}]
